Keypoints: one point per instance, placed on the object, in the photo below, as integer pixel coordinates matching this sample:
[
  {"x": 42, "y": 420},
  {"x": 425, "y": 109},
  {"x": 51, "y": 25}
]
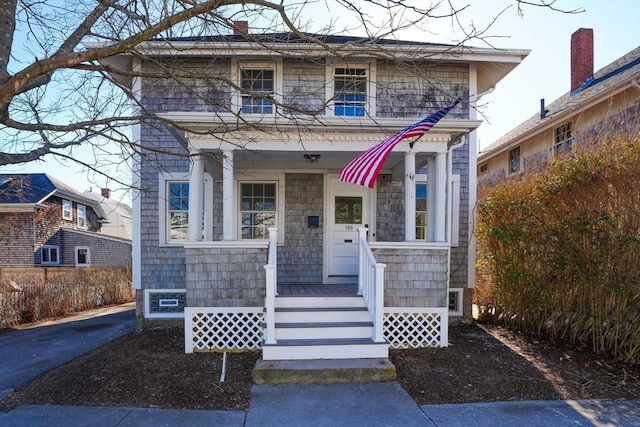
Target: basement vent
[{"x": 165, "y": 303}]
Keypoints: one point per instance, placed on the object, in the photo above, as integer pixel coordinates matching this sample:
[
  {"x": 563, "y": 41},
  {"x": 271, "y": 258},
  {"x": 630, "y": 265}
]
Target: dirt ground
[{"x": 482, "y": 364}]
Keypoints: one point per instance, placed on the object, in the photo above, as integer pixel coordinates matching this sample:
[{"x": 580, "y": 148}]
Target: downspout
[
  {"x": 463, "y": 141},
  {"x": 449, "y": 221}
]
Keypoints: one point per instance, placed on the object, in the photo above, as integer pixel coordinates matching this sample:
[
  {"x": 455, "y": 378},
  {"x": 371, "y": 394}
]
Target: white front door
[{"x": 348, "y": 209}]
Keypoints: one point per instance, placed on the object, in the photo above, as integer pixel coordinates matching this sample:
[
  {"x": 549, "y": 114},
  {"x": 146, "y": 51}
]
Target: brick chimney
[
  {"x": 581, "y": 57},
  {"x": 240, "y": 28},
  {"x": 106, "y": 193}
]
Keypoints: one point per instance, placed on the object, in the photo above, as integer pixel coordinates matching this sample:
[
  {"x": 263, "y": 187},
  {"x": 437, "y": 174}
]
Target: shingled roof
[{"x": 34, "y": 188}]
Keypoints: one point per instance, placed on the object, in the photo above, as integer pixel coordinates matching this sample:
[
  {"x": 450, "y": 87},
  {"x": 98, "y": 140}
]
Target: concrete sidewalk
[{"x": 382, "y": 404}]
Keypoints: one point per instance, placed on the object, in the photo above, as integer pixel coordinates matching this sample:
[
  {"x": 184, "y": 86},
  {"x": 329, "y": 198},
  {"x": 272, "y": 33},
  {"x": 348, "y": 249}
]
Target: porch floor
[{"x": 317, "y": 290}]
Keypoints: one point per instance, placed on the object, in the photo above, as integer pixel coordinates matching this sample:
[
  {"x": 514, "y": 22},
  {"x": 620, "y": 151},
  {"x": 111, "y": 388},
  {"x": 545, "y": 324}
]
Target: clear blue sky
[{"x": 543, "y": 74}]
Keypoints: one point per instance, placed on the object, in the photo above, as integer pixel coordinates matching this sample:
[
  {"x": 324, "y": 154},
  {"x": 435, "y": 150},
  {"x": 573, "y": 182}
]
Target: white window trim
[
  {"x": 75, "y": 256},
  {"x": 370, "y": 66},
  {"x": 262, "y": 177},
  {"x": 460, "y": 292},
  {"x": 68, "y": 217},
  {"x": 82, "y": 208},
  {"x": 236, "y": 98},
  {"x": 163, "y": 177},
  {"x": 49, "y": 247}
]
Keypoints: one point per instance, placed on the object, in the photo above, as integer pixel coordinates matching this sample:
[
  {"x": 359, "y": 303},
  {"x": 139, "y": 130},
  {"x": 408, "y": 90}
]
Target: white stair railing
[
  {"x": 271, "y": 287},
  {"x": 371, "y": 284}
]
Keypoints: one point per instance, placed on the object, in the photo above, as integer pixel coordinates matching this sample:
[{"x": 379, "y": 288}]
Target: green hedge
[{"x": 559, "y": 251}]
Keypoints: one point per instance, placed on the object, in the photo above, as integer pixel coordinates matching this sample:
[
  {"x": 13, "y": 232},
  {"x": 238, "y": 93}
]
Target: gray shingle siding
[
  {"x": 400, "y": 93},
  {"x": 300, "y": 259},
  {"x": 17, "y": 239},
  {"x": 460, "y": 253},
  {"x": 407, "y": 90},
  {"x": 414, "y": 277},
  {"x": 103, "y": 252},
  {"x": 390, "y": 210},
  {"x": 303, "y": 85},
  {"x": 225, "y": 277},
  {"x": 192, "y": 84}
]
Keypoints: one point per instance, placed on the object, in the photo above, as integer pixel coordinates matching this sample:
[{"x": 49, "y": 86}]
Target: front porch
[{"x": 320, "y": 321}]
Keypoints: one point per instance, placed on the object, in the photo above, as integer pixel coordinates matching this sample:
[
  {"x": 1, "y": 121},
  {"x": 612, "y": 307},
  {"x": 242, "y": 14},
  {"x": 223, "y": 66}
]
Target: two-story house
[
  {"x": 46, "y": 223},
  {"x": 242, "y": 226},
  {"x": 597, "y": 105}
]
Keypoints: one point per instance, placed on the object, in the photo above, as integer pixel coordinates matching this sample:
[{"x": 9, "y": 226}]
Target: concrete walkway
[{"x": 28, "y": 352}]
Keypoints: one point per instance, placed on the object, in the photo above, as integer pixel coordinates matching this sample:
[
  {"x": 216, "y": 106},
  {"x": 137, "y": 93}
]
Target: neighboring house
[
  {"x": 264, "y": 180},
  {"x": 119, "y": 214},
  {"x": 45, "y": 223},
  {"x": 597, "y": 105}
]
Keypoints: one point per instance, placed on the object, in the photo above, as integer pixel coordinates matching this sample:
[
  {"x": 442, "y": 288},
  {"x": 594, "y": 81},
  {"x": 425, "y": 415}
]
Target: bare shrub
[
  {"x": 87, "y": 289},
  {"x": 559, "y": 251}
]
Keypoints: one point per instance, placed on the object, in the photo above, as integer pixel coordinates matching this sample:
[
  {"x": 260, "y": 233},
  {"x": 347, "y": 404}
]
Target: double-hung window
[
  {"x": 350, "y": 91},
  {"x": 173, "y": 206},
  {"x": 562, "y": 139},
  {"x": 259, "y": 85},
  {"x": 177, "y": 210},
  {"x": 67, "y": 210},
  {"x": 258, "y": 209},
  {"x": 82, "y": 216},
  {"x": 50, "y": 254}
]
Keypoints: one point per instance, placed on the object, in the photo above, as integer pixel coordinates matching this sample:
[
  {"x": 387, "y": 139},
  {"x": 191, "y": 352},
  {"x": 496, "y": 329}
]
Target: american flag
[{"x": 365, "y": 168}]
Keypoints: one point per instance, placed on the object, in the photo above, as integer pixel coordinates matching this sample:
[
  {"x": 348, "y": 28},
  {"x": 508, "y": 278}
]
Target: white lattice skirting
[
  {"x": 408, "y": 327},
  {"x": 240, "y": 329},
  {"x": 222, "y": 328}
]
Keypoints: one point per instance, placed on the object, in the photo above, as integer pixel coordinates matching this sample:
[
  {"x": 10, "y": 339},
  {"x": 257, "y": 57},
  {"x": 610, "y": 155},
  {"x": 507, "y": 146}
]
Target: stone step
[{"x": 334, "y": 371}]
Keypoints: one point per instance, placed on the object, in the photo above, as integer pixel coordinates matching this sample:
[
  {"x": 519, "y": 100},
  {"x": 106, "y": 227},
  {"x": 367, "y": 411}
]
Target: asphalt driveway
[{"x": 28, "y": 352}]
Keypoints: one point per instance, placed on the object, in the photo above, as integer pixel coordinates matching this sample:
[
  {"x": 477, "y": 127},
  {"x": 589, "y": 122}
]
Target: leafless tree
[{"x": 57, "y": 95}]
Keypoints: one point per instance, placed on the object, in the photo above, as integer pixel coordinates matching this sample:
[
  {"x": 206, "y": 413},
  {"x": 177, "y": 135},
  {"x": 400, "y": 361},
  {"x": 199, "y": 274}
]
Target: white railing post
[
  {"x": 378, "y": 335},
  {"x": 371, "y": 285},
  {"x": 362, "y": 234},
  {"x": 271, "y": 286}
]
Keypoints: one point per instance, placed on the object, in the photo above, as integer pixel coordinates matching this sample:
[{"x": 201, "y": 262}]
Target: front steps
[{"x": 327, "y": 327}]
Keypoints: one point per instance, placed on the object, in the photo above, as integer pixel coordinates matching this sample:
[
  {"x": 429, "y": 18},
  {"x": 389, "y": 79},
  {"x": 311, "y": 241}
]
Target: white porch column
[
  {"x": 440, "y": 190},
  {"x": 432, "y": 180},
  {"x": 196, "y": 195},
  {"x": 227, "y": 195},
  {"x": 409, "y": 196}
]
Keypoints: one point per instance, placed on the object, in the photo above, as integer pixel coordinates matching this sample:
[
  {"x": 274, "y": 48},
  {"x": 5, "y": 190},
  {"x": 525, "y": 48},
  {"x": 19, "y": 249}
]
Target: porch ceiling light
[{"x": 312, "y": 158}]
